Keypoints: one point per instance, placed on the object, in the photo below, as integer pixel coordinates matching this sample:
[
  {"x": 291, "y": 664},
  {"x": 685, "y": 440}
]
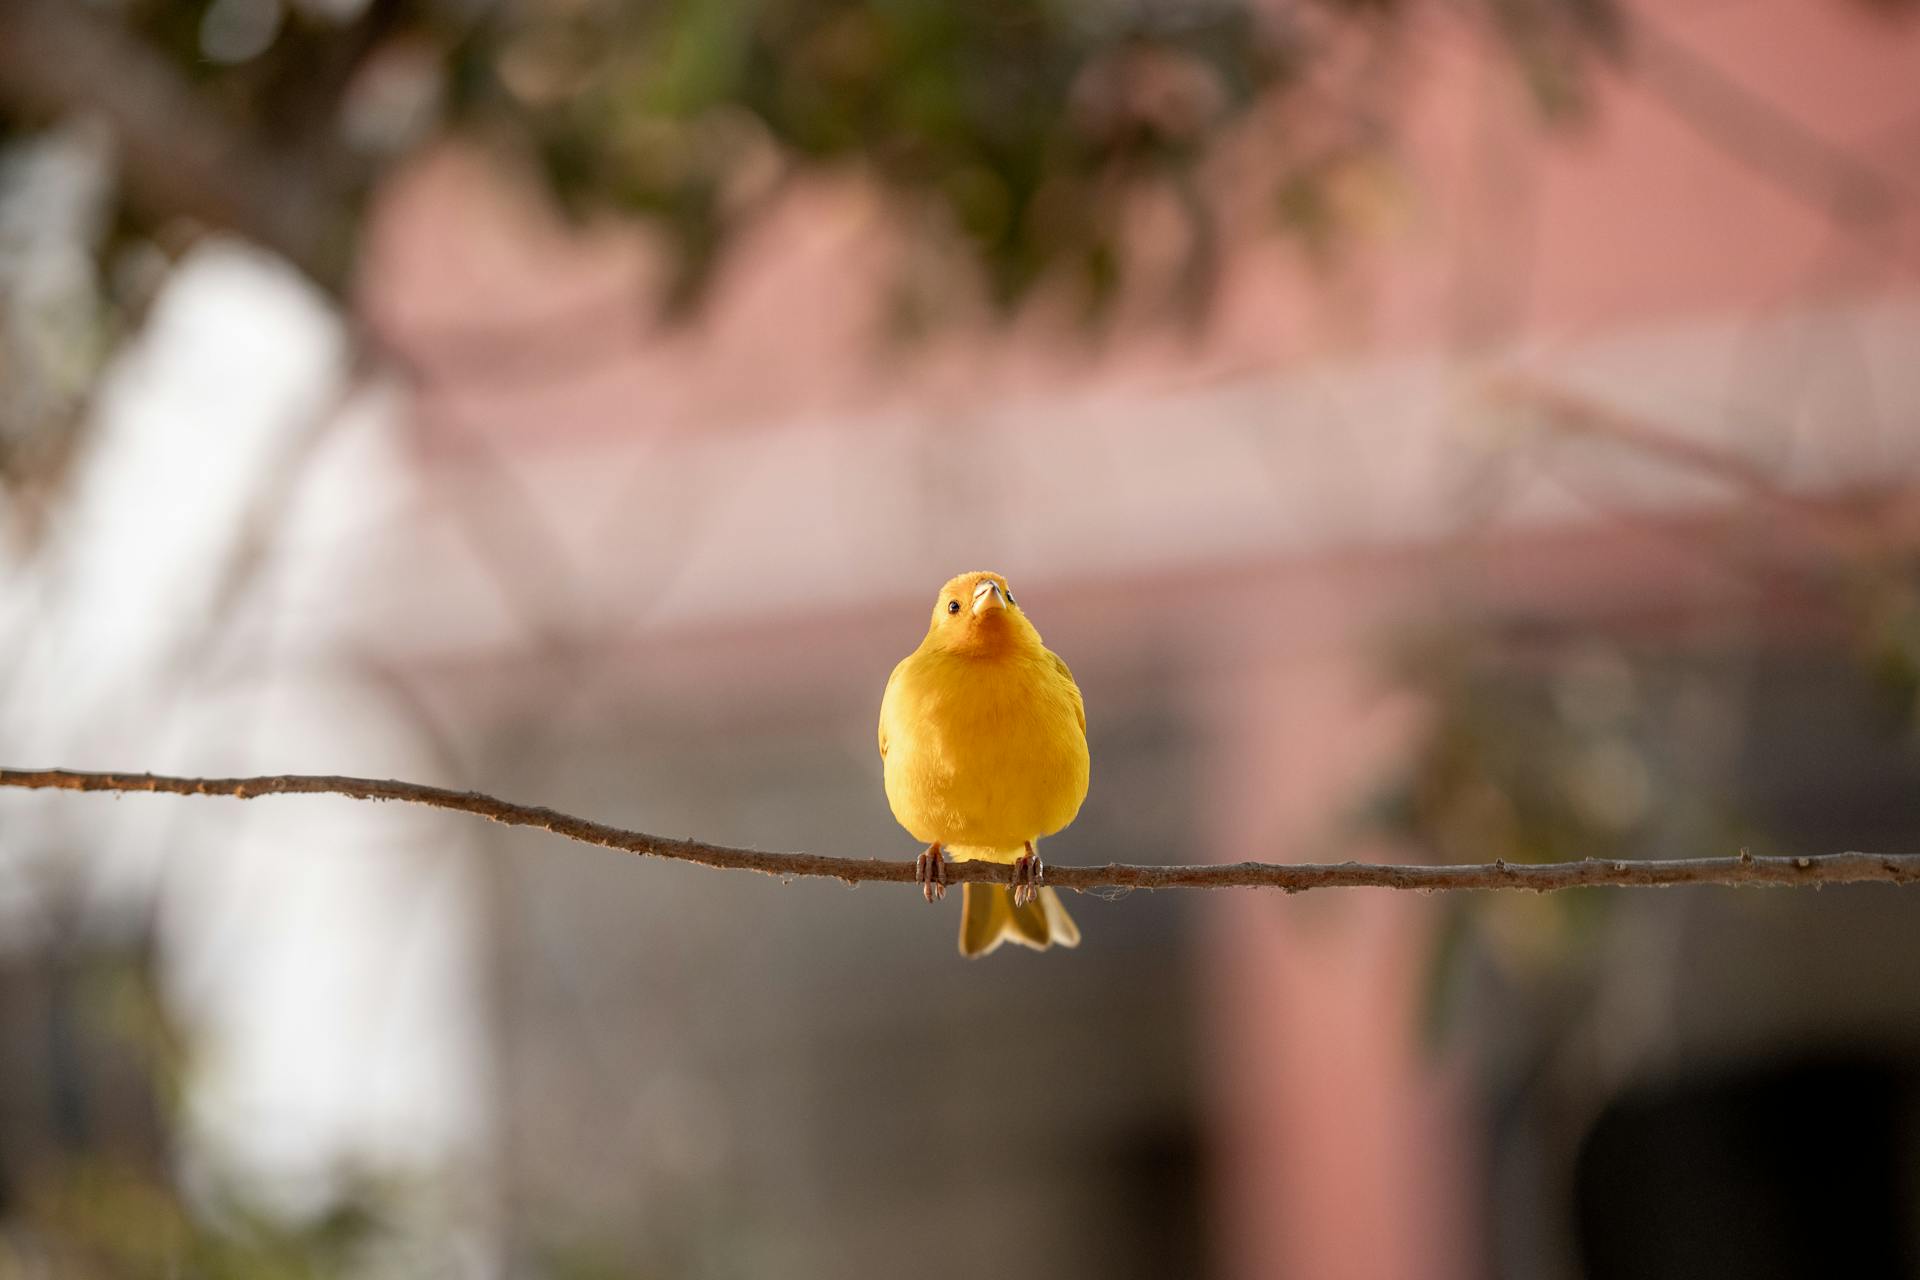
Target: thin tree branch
[
  {"x": 1863, "y": 525},
  {"x": 1764, "y": 135},
  {"x": 1833, "y": 868}
]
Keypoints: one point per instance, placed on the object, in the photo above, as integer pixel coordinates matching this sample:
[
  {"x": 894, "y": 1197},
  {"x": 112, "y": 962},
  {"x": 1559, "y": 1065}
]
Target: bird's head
[{"x": 975, "y": 613}]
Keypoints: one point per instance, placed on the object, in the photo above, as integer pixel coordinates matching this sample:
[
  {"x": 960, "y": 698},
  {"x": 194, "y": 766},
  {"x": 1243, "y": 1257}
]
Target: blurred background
[{"x": 1439, "y": 432}]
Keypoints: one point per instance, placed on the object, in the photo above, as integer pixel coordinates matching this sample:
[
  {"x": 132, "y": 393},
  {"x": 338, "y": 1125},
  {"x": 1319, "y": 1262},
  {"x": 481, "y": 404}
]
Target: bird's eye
[
  {"x": 953, "y": 606},
  {"x": 1009, "y": 597}
]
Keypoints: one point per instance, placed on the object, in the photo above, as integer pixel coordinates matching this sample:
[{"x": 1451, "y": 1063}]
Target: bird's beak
[{"x": 988, "y": 596}]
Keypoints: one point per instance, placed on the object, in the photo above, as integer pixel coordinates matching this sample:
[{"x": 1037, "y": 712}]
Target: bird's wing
[
  {"x": 1079, "y": 704},
  {"x": 893, "y": 682}
]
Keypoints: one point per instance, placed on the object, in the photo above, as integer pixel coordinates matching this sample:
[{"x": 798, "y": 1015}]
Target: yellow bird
[{"x": 983, "y": 741}]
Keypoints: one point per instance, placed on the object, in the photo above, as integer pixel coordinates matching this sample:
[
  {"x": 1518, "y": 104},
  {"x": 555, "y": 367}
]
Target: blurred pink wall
[
  {"x": 1745, "y": 160},
  {"x": 1743, "y": 157}
]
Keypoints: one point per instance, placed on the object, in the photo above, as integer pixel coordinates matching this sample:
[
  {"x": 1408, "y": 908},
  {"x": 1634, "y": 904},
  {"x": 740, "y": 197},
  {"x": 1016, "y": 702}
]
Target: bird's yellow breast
[{"x": 983, "y": 753}]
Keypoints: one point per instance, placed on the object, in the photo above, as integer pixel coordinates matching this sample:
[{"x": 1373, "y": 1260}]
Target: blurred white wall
[{"x": 320, "y": 952}]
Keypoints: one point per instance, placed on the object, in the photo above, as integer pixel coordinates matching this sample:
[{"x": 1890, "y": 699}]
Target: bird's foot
[
  {"x": 1029, "y": 873},
  {"x": 930, "y": 870}
]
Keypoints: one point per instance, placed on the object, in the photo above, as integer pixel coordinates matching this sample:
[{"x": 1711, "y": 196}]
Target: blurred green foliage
[
  {"x": 1012, "y": 130},
  {"x": 1011, "y": 140},
  {"x": 1551, "y": 748},
  {"x": 99, "y": 1218},
  {"x": 1016, "y": 125},
  {"x": 92, "y": 1183},
  {"x": 1887, "y": 609}
]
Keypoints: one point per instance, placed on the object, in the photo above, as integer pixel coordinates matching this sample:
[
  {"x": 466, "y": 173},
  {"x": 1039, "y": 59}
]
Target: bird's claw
[
  {"x": 930, "y": 870},
  {"x": 1029, "y": 873}
]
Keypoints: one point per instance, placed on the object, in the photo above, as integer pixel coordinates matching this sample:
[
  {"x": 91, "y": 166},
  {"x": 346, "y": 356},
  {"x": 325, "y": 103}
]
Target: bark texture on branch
[{"x": 1743, "y": 869}]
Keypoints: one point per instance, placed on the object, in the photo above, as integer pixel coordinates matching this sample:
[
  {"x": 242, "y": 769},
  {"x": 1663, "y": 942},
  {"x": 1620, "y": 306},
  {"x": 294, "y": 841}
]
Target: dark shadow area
[{"x": 1776, "y": 1172}]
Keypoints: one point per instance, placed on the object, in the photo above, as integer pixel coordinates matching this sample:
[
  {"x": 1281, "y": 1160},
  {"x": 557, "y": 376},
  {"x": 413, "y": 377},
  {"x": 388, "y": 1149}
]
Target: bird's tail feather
[{"x": 989, "y": 918}]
